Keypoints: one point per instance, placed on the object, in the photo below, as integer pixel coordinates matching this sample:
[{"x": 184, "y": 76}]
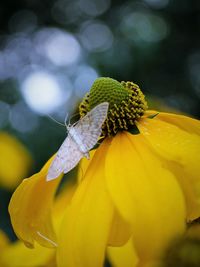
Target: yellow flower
[
  {"x": 134, "y": 195},
  {"x": 17, "y": 255},
  {"x": 15, "y": 161}
]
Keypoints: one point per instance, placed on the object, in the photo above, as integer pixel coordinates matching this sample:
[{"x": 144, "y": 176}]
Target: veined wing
[
  {"x": 87, "y": 131},
  {"x": 81, "y": 138},
  {"x": 66, "y": 158}
]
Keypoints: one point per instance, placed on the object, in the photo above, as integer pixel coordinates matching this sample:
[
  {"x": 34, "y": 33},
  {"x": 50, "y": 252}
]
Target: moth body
[{"x": 76, "y": 137}]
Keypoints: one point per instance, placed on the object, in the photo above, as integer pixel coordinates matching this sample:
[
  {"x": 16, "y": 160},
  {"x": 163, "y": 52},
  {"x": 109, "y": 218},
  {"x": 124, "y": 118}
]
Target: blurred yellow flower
[
  {"x": 134, "y": 195},
  {"x": 16, "y": 254},
  {"x": 15, "y": 161}
]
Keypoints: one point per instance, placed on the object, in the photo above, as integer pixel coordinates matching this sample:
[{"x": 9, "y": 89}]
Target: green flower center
[
  {"x": 126, "y": 104},
  {"x": 107, "y": 90}
]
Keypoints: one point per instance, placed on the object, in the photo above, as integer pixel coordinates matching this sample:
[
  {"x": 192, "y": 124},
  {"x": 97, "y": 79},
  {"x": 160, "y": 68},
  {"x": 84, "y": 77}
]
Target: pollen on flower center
[{"x": 126, "y": 104}]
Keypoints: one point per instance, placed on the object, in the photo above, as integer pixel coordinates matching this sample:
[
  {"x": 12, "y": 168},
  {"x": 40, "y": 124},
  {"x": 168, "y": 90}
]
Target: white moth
[{"x": 82, "y": 136}]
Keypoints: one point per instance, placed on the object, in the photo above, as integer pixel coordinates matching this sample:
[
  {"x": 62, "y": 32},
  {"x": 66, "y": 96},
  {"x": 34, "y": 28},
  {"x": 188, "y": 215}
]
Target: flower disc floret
[{"x": 126, "y": 104}]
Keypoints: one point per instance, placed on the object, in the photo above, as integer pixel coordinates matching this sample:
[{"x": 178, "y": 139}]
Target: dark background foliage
[{"x": 52, "y": 50}]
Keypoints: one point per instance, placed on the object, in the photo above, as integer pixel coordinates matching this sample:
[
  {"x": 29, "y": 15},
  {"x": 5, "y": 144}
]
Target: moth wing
[
  {"x": 88, "y": 129},
  {"x": 66, "y": 159}
]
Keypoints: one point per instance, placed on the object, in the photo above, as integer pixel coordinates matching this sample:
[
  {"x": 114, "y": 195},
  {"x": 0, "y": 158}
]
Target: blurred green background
[{"x": 51, "y": 51}]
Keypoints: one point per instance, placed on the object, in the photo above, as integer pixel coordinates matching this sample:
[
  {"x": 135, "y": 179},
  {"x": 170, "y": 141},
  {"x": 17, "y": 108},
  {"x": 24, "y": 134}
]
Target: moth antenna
[
  {"x": 66, "y": 117},
  {"x": 47, "y": 239},
  {"x": 75, "y": 114},
  {"x": 56, "y": 121}
]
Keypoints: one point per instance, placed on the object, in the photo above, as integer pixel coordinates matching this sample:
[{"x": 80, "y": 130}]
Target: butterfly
[{"x": 82, "y": 136}]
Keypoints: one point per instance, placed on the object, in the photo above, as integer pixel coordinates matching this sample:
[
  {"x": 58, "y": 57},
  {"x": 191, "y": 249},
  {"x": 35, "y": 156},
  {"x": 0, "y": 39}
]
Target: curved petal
[
  {"x": 124, "y": 256},
  {"x": 191, "y": 198},
  {"x": 180, "y": 147},
  {"x": 145, "y": 194},
  {"x": 84, "y": 164},
  {"x": 30, "y": 209},
  {"x": 86, "y": 225},
  {"x": 16, "y": 254},
  {"x": 120, "y": 231},
  {"x": 183, "y": 122},
  {"x": 173, "y": 143},
  {"x": 63, "y": 198}
]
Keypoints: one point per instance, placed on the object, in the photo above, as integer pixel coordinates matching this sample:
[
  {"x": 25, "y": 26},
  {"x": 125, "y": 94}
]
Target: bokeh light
[
  {"x": 22, "y": 119},
  {"x": 84, "y": 80},
  {"x": 144, "y": 27},
  {"x": 157, "y": 3},
  {"x": 42, "y": 92},
  {"x": 94, "y": 8},
  {"x": 4, "y": 114},
  {"x": 60, "y": 47},
  {"x": 96, "y": 36},
  {"x": 66, "y": 12}
]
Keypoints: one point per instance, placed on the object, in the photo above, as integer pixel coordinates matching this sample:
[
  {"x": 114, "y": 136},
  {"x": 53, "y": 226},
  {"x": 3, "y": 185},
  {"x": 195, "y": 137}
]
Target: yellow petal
[
  {"x": 15, "y": 161},
  {"x": 86, "y": 225},
  {"x": 64, "y": 198},
  {"x": 30, "y": 209},
  {"x": 191, "y": 198},
  {"x": 120, "y": 231},
  {"x": 17, "y": 255},
  {"x": 173, "y": 143},
  {"x": 186, "y": 123},
  {"x": 180, "y": 147},
  {"x": 146, "y": 195},
  {"x": 124, "y": 256},
  {"x": 84, "y": 164}
]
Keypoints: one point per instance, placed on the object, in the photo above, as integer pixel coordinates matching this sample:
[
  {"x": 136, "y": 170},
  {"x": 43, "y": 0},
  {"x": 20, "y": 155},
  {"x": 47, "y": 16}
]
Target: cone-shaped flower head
[{"x": 126, "y": 104}]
